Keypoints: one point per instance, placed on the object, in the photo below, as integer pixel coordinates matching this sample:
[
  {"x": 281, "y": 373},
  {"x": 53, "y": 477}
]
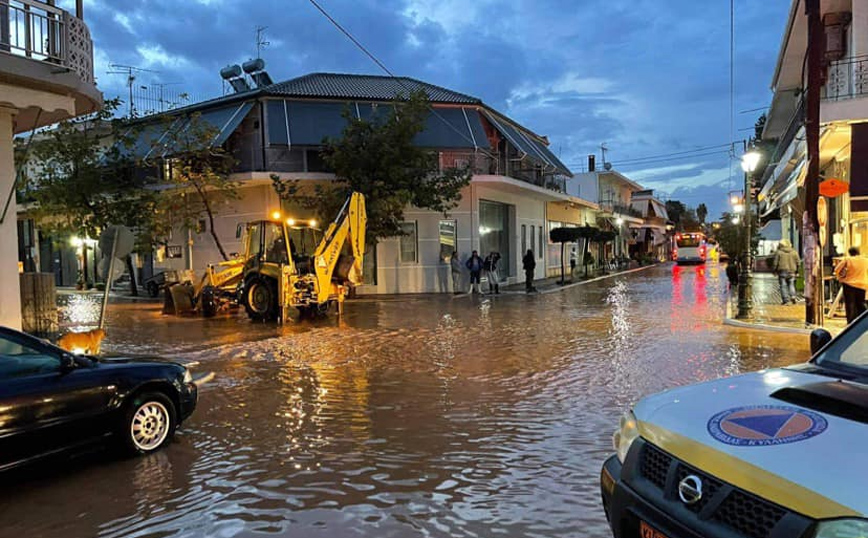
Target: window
[
  {"x": 201, "y": 226},
  {"x": 523, "y": 239},
  {"x": 541, "y": 243},
  {"x": 18, "y": 359},
  {"x": 408, "y": 242},
  {"x": 275, "y": 243},
  {"x": 448, "y": 239}
]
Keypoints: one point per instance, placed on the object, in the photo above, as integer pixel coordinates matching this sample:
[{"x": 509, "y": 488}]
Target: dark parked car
[{"x": 52, "y": 401}]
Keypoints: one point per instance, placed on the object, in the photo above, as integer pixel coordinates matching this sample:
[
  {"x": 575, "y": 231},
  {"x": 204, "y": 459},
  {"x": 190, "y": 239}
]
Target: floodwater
[{"x": 434, "y": 416}]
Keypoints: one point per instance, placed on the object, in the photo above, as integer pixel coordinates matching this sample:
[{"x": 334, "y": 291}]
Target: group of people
[
  {"x": 851, "y": 272},
  {"x": 476, "y": 265}
]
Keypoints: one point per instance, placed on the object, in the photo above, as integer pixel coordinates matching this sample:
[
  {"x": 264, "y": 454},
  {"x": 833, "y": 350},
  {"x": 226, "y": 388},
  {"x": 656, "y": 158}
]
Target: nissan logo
[{"x": 690, "y": 489}]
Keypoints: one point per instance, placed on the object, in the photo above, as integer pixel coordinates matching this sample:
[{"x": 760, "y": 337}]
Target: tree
[
  {"x": 675, "y": 209},
  {"x": 730, "y": 235},
  {"x": 378, "y": 158},
  {"x": 701, "y": 213},
  {"x": 80, "y": 179},
  {"x": 197, "y": 177}
]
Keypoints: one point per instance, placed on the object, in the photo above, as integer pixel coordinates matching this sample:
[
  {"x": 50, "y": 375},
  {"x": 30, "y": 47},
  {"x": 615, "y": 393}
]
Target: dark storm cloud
[{"x": 646, "y": 77}]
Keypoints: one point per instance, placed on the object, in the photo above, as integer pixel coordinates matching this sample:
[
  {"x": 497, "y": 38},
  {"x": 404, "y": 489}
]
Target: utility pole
[{"x": 810, "y": 225}]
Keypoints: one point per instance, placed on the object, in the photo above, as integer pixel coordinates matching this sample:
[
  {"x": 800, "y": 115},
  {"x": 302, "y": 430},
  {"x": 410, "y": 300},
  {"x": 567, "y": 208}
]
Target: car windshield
[{"x": 850, "y": 350}]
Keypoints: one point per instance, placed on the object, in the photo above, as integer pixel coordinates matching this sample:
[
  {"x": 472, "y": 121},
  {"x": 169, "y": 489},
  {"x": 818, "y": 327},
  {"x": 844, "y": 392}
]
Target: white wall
[{"x": 10, "y": 305}]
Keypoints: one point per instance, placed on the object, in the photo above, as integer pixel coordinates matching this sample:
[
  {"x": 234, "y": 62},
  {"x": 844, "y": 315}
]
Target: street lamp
[{"x": 749, "y": 162}]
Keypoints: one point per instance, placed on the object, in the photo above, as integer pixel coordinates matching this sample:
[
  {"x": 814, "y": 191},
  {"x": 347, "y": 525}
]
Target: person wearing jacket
[
  {"x": 490, "y": 265},
  {"x": 529, "y": 264},
  {"x": 455, "y": 263},
  {"x": 852, "y": 273},
  {"x": 474, "y": 265},
  {"x": 785, "y": 264}
]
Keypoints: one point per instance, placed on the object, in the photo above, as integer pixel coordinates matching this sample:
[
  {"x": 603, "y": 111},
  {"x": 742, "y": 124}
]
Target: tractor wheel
[
  {"x": 260, "y": 299},
  {"x": 208, "y": 302}
]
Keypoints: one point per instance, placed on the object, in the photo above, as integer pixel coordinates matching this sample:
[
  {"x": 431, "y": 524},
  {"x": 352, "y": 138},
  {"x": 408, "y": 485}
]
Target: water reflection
[{"x": 431, "y": 416}]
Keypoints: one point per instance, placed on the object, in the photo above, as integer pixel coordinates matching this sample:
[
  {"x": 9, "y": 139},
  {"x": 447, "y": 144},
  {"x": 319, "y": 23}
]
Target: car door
[{"x": 48, "y": 399}]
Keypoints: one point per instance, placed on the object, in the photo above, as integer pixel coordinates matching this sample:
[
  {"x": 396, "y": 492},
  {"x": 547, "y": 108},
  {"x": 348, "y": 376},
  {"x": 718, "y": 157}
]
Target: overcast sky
[{"x": 647, "y": 78}]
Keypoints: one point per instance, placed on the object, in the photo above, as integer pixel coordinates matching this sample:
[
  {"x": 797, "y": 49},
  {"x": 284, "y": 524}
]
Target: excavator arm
[{"x": 350, "y": 226}]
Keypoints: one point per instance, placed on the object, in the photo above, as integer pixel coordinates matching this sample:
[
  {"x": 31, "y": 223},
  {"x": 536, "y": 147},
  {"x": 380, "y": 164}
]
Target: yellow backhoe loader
[{"x": 292, "y": 264}]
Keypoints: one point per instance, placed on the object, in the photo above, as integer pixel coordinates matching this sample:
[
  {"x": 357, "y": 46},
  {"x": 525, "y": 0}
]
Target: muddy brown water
[{"x": 468, "y": 417}]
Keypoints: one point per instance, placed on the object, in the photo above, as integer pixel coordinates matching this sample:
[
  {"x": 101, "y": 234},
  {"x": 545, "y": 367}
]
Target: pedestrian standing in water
[
  {"x": 785, "y": 264},
  {"x": 491, "y": 269},
  {"x": 455, "y": 263},
  {"x": 529, "y": 264},
  {"x": 574, "y": 260},
  {"x": 852, "y": 273},
  {"x": 474, "y": 265}
]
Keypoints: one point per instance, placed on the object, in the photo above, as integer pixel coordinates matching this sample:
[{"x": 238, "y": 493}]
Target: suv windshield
[{"x": 850, "y": 350}]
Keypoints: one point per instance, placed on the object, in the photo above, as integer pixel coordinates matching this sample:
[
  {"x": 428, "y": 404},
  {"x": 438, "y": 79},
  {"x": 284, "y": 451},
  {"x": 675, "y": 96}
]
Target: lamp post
[{"x": 749, "y": 162}]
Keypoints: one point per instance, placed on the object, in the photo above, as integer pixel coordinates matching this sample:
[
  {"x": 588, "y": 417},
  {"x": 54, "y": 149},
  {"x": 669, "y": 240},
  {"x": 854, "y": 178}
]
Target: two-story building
[
  {"x": 46, "y": 75},
  {"x": 279, "y": 128},
  {"x": 613, "y": 192},
  {"x": 844, "y": 127},
  {"x": 653, "y": 237}
]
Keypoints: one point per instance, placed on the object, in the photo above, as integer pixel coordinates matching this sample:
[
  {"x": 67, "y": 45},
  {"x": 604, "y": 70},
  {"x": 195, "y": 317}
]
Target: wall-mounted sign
[
  {"x": 174, "y": 251},
  {"x": 832, "y": 187}
]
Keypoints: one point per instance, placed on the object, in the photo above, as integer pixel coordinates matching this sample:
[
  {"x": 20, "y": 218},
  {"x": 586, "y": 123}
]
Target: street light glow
[
  {"x": 750, "y": 160},
  {"x": 619, "y": 221},
  {"x": 76, "y": 241},
  {"x": 739, "y": 208},
  {"x": 735, "y": 220}
]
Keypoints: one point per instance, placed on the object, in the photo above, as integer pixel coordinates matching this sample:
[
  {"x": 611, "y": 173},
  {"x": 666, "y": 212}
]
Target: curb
[{"x": 732, "y": 322}]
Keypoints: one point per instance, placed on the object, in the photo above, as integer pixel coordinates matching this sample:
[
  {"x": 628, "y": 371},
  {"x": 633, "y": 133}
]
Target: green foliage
[
  {"x": 701, "y": 213},
  {"x": 195, "y": 181},
  {"x": 685, "y": 219},
  {"x": 730, "y": 235},
  {"x": 378, "y": 159},
  {"x": 78, "y": 180}
]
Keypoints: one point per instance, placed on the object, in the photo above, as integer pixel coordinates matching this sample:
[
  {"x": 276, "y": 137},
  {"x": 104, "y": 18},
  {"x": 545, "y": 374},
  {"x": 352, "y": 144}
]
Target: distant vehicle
[
  {"x": 690, "y": 248},
  {"x": 773, "y": 453},
  {"x": 159, "y": 282},
  {"x": 52, "y": 401}
]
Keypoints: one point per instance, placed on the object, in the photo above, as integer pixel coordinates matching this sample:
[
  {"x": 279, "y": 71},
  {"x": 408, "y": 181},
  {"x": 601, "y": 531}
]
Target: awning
[
  {"x": 527, "y": 144},
  {"x": 785, "y": 188},
  {"x": 309, "y": 123},
  {"x": 167, "y": 135}
]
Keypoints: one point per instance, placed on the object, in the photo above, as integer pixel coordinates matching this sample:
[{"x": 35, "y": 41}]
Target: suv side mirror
[{"x": 819, "y": 338}]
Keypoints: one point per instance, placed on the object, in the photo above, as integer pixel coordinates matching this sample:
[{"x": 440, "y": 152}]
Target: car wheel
[
  {"x": 260, "y": 299},
  {"x": 149, "y": 423},
  {"x": 153, "y": 290}
]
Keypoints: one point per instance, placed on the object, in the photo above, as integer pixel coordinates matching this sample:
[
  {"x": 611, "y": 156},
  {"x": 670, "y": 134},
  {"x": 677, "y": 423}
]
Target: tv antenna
[
  {"x": 603, "y": 150},
  {"x": 261, "y": 43},
  {"x": 131, "y": 72}
]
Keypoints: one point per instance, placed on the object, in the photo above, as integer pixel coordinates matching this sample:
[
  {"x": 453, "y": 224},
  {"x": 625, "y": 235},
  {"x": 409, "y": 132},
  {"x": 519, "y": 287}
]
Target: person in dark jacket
[
  {"x": 785, "y": 265},
  {"x": 474, "y": 265},
  {"x": 529, "y": 264}
]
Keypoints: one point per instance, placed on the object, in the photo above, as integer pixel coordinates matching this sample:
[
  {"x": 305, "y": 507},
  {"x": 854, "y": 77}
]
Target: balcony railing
[
  {"x": 847, "y": 78},
  {"x": 481, "y": 163},
  {"x": 46, "y": 33},
  {"x": 620, "y": 209}
]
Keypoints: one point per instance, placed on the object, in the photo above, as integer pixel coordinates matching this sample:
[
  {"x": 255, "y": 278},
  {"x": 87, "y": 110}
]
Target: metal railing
[
  {"x": 620, "y": 209},
  {"x": 846, "y": 79},
  {"x": 46, "y": 33}
]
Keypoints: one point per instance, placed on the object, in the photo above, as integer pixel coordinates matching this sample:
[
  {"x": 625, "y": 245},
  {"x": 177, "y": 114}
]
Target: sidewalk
[
  {"x": 768, "y": 312},
  {"x": 551, "y": 285}
]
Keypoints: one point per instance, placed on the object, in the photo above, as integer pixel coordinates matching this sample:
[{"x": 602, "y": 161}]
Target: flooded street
[{"x": 410, "y": 417}]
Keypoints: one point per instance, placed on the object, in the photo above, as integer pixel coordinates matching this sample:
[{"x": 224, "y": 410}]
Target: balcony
[
  {"x": 46, "y": 63},
  {"x": 847, "y": 79}
]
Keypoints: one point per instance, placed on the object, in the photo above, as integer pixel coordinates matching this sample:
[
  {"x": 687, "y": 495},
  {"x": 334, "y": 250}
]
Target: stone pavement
[
  {"x": 552, "y": 284},
  {"x": 770, "y": 314}
]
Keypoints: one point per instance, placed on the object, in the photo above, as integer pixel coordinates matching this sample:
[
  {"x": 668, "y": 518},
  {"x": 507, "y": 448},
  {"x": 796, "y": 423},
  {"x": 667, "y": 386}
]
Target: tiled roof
[{"x": 366, "y": 87}]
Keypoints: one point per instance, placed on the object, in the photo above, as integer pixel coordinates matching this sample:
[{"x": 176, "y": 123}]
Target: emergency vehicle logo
[{"x": 765, "y": 425}]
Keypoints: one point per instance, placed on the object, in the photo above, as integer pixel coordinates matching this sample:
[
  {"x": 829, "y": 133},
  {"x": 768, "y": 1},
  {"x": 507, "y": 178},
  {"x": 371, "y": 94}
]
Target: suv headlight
[
  {"x": 842, "y": 528},
  {"x": 188, "y": 377},
  {"x": 626, "y": 434}
]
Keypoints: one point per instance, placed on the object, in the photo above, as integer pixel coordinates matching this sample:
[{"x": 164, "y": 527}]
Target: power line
[
  {"x": 382, "y": 66},
  {"x": 685, "y": 153},
  {"x": 670, "y": 159}
]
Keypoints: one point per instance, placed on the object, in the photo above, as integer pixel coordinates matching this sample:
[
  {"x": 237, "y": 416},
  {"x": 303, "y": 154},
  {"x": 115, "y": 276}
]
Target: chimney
[{"x": 592, "y": 159}]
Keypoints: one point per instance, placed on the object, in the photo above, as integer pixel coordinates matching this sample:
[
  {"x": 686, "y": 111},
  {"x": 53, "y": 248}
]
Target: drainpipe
[{"x": 79, "y": 9}]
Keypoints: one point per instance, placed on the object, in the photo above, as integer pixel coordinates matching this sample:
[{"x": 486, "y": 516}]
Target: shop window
[
  {"x": 495, "y": 232},
  {"x": 409, "y": 242}
]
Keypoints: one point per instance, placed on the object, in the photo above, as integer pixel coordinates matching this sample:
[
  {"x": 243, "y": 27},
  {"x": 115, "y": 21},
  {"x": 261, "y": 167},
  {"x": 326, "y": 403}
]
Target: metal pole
[
  {"x": 811, "y": 225},
  {"x": 745, "y": 281},
  {"x": 108, "y": 280}
]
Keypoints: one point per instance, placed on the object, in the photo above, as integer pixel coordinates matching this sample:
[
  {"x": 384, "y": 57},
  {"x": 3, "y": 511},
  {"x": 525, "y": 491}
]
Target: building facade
[
  {"x": 46, "y": 75},
  {"x": 844, "y": 129},
  {"x": 278, "y": 129}
]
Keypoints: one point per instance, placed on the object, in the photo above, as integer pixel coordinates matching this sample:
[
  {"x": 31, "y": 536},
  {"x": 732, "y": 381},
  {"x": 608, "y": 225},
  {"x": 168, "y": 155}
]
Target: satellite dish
[{"x": 607, "y": 166}]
